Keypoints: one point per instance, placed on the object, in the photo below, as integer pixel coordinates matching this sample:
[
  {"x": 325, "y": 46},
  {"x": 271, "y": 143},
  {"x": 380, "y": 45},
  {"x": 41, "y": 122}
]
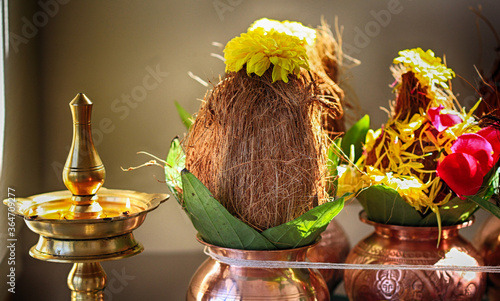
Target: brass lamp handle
[{"x": 83, "y": 173}]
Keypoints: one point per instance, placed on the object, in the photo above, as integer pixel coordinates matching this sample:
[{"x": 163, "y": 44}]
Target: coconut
[{"x": 259, "y": 148}]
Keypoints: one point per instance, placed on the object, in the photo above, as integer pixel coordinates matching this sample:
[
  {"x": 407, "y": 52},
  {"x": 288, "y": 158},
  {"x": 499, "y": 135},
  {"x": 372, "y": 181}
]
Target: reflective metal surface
[
  {"x": 218, "y": 281},
  {"x": 414, "y": 245},
  {"x": 86, "y": 224},
  {"x": 333, "y": 247},
  {"x": 487, "y": 240},
  {"x": 108, "y": 237},
  {"x": 83, "y": 172},
  {"x": 87, "y": 282}
]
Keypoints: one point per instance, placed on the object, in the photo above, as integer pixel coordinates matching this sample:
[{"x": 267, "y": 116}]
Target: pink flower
[
  {"x": 442, "y": 121},
  {"x": 472, "y": 157},
  {"x": 492, "y": 134},
  {"x": 462, "y": 173},
  {"x": 476, "y": 146}
]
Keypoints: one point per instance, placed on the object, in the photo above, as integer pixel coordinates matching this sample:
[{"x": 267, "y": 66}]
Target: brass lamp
[{"x": 86, "y": 224}]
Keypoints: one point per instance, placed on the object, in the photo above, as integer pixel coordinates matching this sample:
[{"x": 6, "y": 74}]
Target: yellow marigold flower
[
  {"x": 304, "y": 33},
  {"x": 409, "y": 187},
  {"x": 427, "y": 68},
  {"x": 258, "y": 49}
]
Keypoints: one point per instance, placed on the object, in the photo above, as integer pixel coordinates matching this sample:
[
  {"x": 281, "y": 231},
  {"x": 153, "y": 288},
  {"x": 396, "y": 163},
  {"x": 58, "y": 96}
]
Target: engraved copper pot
[
  {"x": 215, "y": 280},
  {"x": 487, "y": 240},
  {"x": 390, "y": 244},
  {"x": 333, "y": 247}
]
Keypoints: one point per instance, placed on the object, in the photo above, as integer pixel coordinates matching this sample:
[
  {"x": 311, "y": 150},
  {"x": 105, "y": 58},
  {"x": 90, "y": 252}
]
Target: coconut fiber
[{"x": 259, "y": 147}]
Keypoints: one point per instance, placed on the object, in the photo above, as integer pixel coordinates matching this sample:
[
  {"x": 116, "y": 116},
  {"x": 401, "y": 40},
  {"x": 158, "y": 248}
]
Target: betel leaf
[
  {"x": 490, "y": 185},
  {"x": 356, "y": 136},
  {"x": 305, "y": 229},
  {"x": 384, "y": 205},
  {"x": 485, "y": 204},
  {"x": 214, "y": 223},
  {"x": 455, "y": 211},
  {"x": 186, "y": 118},
  {"x": 175, "y": 163}
]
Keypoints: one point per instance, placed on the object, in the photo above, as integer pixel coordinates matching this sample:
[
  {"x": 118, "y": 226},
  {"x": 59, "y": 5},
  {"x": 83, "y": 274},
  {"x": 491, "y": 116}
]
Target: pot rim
[{"x": 363, "y": 217}]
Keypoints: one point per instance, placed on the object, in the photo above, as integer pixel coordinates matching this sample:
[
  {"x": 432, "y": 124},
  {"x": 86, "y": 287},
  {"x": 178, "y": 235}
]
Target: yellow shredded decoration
[
  {"x": 304, "y": 33},
  {"x": 404, "y": 171},
  {"x": 259, "y": 48},
  {"x": 427, "y": 68},
  {"x": 398, "y": 151},
  {"x": 404, "y": 165}
]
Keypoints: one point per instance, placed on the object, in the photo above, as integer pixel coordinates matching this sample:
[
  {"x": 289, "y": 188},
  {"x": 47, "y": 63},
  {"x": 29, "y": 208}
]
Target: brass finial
[{"x": 83, "y": 173}]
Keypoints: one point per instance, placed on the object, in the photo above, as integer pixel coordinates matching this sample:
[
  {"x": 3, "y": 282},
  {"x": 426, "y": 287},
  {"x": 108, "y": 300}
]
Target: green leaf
[
  {"x": 305, "y": 229},
  {"x": 214, "y": 223},
  {"x": 452, "y": 213},
  {"x": 331, "y": 164},
  {"x": 486, "y": 205},
  {"x": 186, "y": 118},
  {"x": 384, "y": 205},
  {"x": 175, "y": 163},
  {"x": 356, "y": 136},
  {"x": 490, "y": 185}
]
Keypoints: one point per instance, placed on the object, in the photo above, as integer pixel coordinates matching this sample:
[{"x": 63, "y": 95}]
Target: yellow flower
[
  {"x": 304, "y": 33},
  {"x": 258, "y": 49},
  {"x": 427, "y": 68},
  {"x": 371, "y": 138},
  {"x": 398, "y": 166},
  {"x": 410, "y": 188},
  {"x": 348, "y": 181}
]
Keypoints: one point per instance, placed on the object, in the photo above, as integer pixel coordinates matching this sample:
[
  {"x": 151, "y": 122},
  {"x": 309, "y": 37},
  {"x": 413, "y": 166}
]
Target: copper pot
[
  {"x": 391, "y": 244},
  {"x": 488, "y": 241},
  {"x": 333, "y": 247},
  {"x": 216, "y": 280}
]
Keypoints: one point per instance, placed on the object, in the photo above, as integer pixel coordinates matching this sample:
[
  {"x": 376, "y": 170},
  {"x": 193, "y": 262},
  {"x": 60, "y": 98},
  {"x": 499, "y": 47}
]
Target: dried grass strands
[
  {"x": 257, "y": 147},
  {"x": 326, "y": 60},
  {"x": 489, "y": 91}
]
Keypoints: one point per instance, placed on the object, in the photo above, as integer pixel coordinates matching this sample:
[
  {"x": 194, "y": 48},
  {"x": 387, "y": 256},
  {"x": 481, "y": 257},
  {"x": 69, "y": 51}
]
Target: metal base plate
[{"x": 86, "y": 250}]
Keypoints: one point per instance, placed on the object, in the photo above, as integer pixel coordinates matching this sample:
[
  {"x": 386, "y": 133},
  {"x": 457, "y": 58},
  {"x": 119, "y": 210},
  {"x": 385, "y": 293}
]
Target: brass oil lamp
[{"x": 85, "y": 224}]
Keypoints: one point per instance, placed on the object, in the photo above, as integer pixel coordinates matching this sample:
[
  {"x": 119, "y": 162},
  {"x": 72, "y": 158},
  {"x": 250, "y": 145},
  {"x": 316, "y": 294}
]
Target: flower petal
[
  {"x": 492, "y": 134},
  {"x": 258, "y": 48},
  {"x": 442, "y": 121},
  {"x": 476, "y": 146},
  {"x": 461, "y": 172}
]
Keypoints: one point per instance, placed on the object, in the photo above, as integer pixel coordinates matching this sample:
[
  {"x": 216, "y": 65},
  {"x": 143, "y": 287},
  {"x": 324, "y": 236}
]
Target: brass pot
[
  {"x": 333, "y": 247},
  {"x": 391, "y": 245},
  {"x": 487, "y": 240},
  {"x": 216, "y": 280}
]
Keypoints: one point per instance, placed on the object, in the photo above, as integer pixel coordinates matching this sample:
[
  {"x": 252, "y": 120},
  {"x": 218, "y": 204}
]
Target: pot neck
[
  {"x": 415, "y": 233},
  {"x": 296, "y": 254}
]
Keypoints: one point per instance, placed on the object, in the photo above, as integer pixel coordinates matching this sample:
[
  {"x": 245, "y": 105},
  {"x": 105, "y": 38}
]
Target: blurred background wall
[{"x": 132, "y": 59}]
